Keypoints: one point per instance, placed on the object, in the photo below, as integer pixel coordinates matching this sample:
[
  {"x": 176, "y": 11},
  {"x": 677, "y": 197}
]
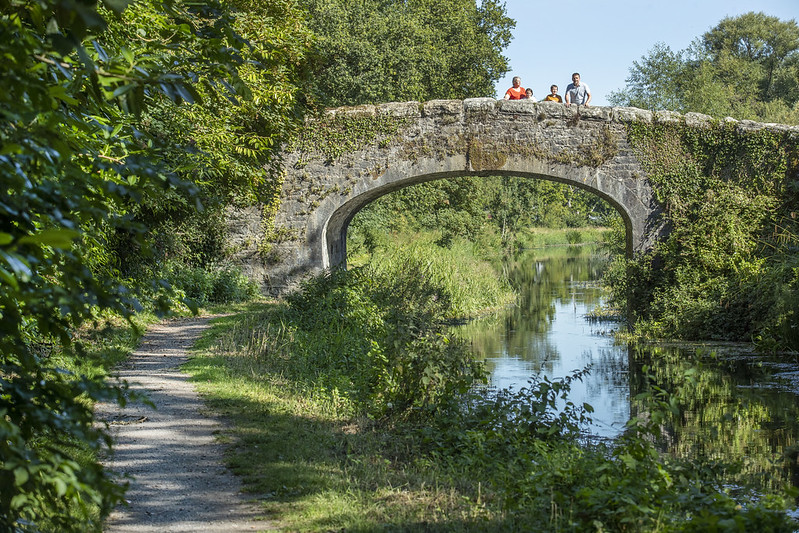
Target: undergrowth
[{"x": 353, "y": 409}]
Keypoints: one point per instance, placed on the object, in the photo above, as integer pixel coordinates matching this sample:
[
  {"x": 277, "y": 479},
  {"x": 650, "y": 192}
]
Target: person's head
[
  {"x": 554, "y": 89},
  {"x": 529, "y": 92},
  {"x": 517, "y": 81},
  {"x": 576, "y": 78}
]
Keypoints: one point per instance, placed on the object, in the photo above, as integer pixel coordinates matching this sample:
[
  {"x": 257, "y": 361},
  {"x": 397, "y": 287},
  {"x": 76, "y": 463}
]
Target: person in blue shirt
[{"x": 577, "y": 92}]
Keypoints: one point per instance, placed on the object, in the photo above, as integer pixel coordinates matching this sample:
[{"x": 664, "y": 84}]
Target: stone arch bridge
[{"x": 351, "y": 156}]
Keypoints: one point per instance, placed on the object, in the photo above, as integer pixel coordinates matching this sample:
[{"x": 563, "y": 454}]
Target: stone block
[
  {"x": 401, "y": 109},
  {"x": 480, "y": 106},
  {"x": 698, "y": 120},
  {"x": 632, "y": 114},
  {"x": 442, "y": 107},
  {"x": 597, "y": 114},
  {"x": 668, "y": 117}
]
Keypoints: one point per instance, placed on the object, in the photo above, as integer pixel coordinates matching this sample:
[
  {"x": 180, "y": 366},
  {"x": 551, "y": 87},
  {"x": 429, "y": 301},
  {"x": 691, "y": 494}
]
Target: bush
[
  {"x": 381, "y": 341},
  {"x": 725, "y": 269},
  {"x": 574, "y": 237},
  {"x": 220, "y": 284}
]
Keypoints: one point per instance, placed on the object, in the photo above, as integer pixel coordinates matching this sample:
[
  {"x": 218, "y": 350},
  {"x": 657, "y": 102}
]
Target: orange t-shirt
[{"x": 516, "y": 93}]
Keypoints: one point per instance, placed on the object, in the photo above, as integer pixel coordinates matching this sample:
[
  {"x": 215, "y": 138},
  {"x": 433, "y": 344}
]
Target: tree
[
  {"x": 758, "y": 39},
  {"x": 72, "y": 164},
  {"x": 381, "y": 51},
  {"x": 224, "y": 142},
  {"x": 746, "y": 67},
  {"x": 654, "y": 82}
]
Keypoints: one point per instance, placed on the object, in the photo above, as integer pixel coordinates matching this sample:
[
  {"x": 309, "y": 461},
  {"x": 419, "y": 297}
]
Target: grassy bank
[
  {"x": 300, "y": 448},
  {"x": 539, "y": 237},
  {"x": 467, "y": 272},
  {"x": 351, "y": 412}
]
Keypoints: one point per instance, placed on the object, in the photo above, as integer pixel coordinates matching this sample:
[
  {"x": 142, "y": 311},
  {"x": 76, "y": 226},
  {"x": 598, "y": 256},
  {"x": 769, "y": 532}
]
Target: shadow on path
[{"x": 169, "y": 454}]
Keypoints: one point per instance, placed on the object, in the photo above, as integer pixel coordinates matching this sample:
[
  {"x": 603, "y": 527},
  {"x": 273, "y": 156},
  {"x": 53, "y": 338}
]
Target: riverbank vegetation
[
  {"x": 355, "y": 410},
  {"x": 727, "y": 269}
]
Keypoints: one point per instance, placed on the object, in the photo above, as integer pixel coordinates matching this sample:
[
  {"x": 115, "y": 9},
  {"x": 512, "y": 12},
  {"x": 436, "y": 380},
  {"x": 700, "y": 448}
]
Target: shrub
[
  {"x": 574, "y": 237},
  {"x": 220, "y": 284},
  {"x": 381, "y": 340}
]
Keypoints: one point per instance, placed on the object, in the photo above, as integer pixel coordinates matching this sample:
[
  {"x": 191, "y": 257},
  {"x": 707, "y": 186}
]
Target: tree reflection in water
[{"x": 736, "y": 410}]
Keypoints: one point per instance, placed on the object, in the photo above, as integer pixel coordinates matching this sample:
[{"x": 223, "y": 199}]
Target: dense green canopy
[
  {"x": 746, "y": 67},
  {"x": 126, "y": 129},
  {"x": 376, "y": 51},
  {"x": 79, "y": 81}
]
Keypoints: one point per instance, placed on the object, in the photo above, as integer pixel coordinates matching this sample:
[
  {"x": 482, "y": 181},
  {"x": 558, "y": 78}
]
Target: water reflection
[
  {"x": 738, "y": 409},
  {"x": 547, "y": 333}
]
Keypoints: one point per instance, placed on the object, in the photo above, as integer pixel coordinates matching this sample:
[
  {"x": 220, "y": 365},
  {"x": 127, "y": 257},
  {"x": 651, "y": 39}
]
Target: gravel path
[{"x": 170, "y": 454}]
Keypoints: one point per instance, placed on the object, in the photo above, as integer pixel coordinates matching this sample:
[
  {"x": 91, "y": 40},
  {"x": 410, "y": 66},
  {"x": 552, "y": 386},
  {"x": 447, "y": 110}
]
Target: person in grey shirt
[{"x": 577, "y": 93}]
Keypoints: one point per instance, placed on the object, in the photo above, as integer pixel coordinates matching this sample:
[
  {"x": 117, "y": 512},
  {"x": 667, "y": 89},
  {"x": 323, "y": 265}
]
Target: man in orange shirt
[{"x": 517, "y": 91}]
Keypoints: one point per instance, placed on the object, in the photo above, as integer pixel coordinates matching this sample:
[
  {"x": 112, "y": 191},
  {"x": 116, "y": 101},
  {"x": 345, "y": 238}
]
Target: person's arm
[
  {"x": 588, "y": 92},
  {"x": 507, "y": 94},
  {"x": 566, "y": 97}
]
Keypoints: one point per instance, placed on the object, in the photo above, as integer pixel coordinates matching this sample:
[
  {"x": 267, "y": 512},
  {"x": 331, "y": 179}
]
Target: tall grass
[
  {"x": 540, "y": 237},
  {"x": 473, "y": 285}
]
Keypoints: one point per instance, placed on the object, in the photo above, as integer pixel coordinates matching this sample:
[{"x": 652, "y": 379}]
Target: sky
[{"x": 601, "y": 40}]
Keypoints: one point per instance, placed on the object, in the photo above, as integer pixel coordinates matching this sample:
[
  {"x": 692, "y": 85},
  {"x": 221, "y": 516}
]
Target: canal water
[{"x": 739, "y": 408}]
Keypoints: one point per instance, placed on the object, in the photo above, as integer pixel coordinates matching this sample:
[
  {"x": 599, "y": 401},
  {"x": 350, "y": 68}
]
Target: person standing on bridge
[
  {"x": 517, "y": 91},
  {"x": 577, "y": 93},
  {"x": 553, "y": 95}
]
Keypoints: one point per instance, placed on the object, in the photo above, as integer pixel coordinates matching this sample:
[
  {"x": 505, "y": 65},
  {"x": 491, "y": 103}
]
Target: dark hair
[{"x": 575, "y": 74}]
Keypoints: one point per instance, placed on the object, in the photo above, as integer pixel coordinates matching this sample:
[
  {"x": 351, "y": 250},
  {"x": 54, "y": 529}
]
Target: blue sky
[{"x": 600, "y": 40}]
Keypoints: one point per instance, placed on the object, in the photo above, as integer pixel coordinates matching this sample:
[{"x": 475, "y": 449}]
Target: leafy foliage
[
  {"x": 224, "y": 137},
  {"x": 726, "y": 269},
  {"x": 481, "y": 461},
  {"x": 481, "y": 210},
  {"x": 381, "y": 340},
  {"x": 374, "y": 51},
  {"x": 72, "y": 167},
  {"x": 745, "y": 67}
]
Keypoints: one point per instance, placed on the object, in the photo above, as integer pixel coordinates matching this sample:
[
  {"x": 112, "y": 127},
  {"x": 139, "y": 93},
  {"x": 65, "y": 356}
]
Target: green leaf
[
  {"x": 60, "y": 486},
  {"x": 17, "y": 265},
  {"x": 19, "y": 501},
  {"x": 127, "y": 54},
  {"x": 57, "y": 238},
  {"x": 8, "y": 277},
  {"x": 119, "y": 91},
  {"x": 21, "y": 475},
  {"x": 10, "y": 148}
]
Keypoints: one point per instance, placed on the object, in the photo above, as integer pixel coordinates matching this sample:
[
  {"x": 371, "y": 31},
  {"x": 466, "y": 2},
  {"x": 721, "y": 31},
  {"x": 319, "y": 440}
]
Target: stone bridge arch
[
  {"x": 351, "y": 156},
  {"x": 626, "y": 202}
]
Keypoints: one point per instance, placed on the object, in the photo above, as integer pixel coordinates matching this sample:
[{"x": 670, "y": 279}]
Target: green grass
[
  {"x": 540, "y": 237},
  {"x": 313, "y": 467},
  {"x": 315, "y": 461}
]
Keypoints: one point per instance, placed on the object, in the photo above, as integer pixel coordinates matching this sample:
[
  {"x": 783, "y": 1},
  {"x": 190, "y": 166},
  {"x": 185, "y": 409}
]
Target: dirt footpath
[{"x": 170, "y": 455}]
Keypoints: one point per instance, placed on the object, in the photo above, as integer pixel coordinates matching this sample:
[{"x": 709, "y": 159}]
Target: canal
[{"x": 738, "y": 408}]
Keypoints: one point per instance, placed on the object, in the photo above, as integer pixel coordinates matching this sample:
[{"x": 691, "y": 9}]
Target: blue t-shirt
[{"x": 578, "y": 95}]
